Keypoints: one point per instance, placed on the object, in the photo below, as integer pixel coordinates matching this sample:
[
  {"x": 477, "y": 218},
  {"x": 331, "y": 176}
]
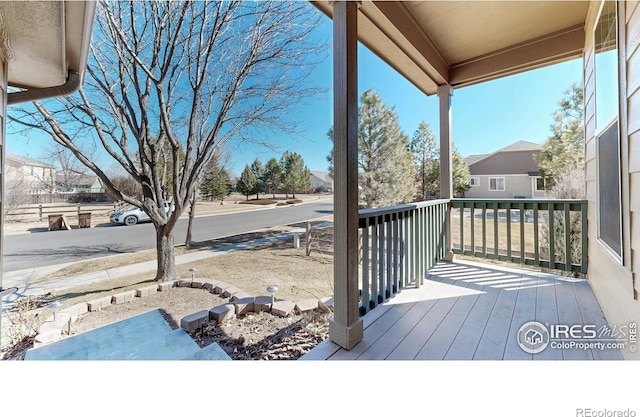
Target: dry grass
[
  {"x": 116, "y": 261},
  {"x": 490, "y": 225},
  {"x": 297, "y": 276}
]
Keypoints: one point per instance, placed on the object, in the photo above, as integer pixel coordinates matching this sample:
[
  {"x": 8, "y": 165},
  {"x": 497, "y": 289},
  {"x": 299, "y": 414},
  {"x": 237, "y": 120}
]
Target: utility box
[
  {"x": 296, "y": 241},
  {"x": 55, "y": 222},
  {"x": 84, "y": 220}
]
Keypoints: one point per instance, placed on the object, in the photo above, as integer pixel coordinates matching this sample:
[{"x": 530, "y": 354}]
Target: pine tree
[
  {"x": 295, "y": 174},
  {"x": 387, "y": 175},
  {"x": 563, "y": 151},
  {"x": 273, "y": 176},
  {"x": 247, "y": 182},
  {"x": 259, "y": 172},
  {"x": 426, "y": 158}
]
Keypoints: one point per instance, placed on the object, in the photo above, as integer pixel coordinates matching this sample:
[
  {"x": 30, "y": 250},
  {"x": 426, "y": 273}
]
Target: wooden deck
[{"x": 472, "y": 311}]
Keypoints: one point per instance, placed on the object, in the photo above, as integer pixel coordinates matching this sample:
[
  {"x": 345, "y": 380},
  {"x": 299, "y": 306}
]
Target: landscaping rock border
[{"x": 240, "y": 303}]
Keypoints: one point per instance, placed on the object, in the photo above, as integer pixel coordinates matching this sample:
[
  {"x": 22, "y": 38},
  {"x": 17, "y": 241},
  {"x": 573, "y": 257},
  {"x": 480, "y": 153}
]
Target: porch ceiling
[{"x": 461, "y": 43}]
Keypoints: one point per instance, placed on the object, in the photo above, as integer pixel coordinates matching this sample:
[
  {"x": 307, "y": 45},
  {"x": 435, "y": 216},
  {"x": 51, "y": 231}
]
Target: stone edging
[{"x": 239, "y": 303}]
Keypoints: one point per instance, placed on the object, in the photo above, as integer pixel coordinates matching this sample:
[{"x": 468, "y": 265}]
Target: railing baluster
[
  {"x": 496, "y": 246},
  {"x": 522, "y": 254},
  {"x": 552, "y": 228},
  {"x": 508, "y": 232},
  {"x": 583, "y": 237},
  {"x": 366, "y": 293},
  {"x": 484, "y": 229},
  {"x": 374, "y": 263},
  {"x": 536, "y": 240},
  {"x": 473, "y": 229},
  {"x": 462, "y": 246},
  {"x": 396, "y": 264},
  {"x": 381, "y": 260},
  {"x": 567, "y": 238}
]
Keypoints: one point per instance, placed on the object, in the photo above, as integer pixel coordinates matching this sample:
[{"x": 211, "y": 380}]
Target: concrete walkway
[{"x": 28, "y": 282}]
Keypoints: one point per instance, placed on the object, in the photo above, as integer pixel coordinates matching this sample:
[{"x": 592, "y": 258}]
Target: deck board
[
  {"x": 466, "y": 341},
  {"x": 494, "y": 338},
  {"x": 592, "y": 314},
  {"x": 569, "y": 314},
  {"x": 467, "y": 310},
  {"x": 524, "y": 312}
]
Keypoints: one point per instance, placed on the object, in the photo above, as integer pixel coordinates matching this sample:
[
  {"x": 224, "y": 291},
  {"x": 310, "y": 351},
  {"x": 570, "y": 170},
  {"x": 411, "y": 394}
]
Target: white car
[{"x": 134, "y": 215}]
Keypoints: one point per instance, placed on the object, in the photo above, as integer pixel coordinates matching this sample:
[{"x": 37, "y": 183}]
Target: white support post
[
  {"x": 346, "y": 328},
  {"x": 445, "y": 92}
]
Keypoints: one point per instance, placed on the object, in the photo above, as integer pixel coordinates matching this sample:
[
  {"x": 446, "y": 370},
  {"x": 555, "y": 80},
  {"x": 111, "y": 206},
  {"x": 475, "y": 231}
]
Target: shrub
[{"x": 258, "y": 202}]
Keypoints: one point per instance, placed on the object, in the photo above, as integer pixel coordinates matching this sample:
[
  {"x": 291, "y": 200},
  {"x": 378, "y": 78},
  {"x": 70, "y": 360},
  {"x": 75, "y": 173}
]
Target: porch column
[
  {"x": 445, "y": 92},
  {"x": 345, "y": 329}
]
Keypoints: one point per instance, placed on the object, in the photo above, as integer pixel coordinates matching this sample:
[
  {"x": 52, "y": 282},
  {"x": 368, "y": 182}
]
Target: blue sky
[{"x": 485, "y": 117}]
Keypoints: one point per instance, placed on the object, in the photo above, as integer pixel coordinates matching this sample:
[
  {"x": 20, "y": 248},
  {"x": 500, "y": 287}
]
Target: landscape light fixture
[
  {"x": 271, "y": 289},
  {"x": 54, "y": 306},
  {"x": 193, "y": 271}
]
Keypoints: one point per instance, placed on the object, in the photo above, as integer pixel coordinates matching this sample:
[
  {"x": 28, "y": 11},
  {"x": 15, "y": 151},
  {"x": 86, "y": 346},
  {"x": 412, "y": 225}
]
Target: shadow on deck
[{"x": 472, "y": 311}]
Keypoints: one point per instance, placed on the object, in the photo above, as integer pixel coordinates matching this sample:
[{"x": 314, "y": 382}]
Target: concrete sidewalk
[{"x": 28, "y": 283}]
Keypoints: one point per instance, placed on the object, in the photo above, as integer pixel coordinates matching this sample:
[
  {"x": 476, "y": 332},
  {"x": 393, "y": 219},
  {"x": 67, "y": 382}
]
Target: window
[
  {"x": 496, "y": 184},
  {"x": 607, "y": 129},
  {"x": 474, "y": 182},
  {"x": 540, "y": 184}
]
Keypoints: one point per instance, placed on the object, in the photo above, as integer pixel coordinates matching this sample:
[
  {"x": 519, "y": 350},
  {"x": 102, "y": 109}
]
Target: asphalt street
[{"x": 33, "y": 250}]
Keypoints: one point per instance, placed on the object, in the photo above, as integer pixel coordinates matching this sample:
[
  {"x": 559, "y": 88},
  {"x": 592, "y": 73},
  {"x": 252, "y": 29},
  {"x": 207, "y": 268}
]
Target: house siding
[
  {"x": 515, "y": 185},
  {"x": 513, "y": 162},
  {"x": 612, "y": 280}
]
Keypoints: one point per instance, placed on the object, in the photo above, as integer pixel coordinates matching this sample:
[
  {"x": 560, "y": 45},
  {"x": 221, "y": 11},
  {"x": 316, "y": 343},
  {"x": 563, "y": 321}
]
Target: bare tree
[{"x": 166, "y": 79}]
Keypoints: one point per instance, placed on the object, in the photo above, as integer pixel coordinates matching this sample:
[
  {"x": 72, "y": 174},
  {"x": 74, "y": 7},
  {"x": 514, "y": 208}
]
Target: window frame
[
  {"x": 504, "y": 184},
  {"x": 477, "y": 180},
  {"x": 600, "y": 133}
]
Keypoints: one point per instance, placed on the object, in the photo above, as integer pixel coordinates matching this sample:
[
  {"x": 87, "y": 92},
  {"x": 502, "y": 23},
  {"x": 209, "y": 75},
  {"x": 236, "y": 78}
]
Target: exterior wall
[
  {"x": 515, "y": 185},
  {"x": 612, "y": 280},
  {"x": 29, "y": 179},
  {"x": 512, "y": 162}
]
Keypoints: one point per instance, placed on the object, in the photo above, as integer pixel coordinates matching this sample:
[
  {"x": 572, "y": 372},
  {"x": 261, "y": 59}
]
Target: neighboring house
[
  {"x": 77, "y": 182},
  {"x": 510, "y": 172},
  {"x": 320, "y": 180},
  {"x": 28, "y": 176}
]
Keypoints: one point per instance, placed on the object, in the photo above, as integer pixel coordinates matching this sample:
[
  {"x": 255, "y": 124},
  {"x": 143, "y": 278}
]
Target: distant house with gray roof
[{"x": 510, "y": 172}]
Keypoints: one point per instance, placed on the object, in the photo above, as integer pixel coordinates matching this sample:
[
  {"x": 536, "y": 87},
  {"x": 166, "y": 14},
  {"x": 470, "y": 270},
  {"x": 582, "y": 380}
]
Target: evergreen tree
[
  {"x": 426, "y": 153},
  {"x": 387, "y": 175},
  {"x": 273, "y": 176},
  {"x": 247, "y": 182},
  {"x": 295, "y": 174},
  {"x": 563, "y": 151},
  {"x": 259, "y": 172},
  {"x": 426, "y": 158}
]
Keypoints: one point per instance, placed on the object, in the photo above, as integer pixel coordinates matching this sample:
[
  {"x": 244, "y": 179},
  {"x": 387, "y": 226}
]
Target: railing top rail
[
  {"x": 522, "y": 200},
  {"x": 381, "y": 211}
]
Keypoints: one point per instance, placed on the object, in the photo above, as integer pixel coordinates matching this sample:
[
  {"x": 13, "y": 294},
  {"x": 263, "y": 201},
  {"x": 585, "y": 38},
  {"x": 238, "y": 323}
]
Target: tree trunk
[
  {"x": 166, "y": 257},
  {"x": 192, "y": 215}
]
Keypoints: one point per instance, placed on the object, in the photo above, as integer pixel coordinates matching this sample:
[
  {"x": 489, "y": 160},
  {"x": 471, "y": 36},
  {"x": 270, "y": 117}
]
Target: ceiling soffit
[{"x": 434, "y": 43}]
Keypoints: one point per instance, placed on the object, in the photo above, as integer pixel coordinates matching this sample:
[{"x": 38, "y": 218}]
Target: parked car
[{"x": 134, "y": 215}]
